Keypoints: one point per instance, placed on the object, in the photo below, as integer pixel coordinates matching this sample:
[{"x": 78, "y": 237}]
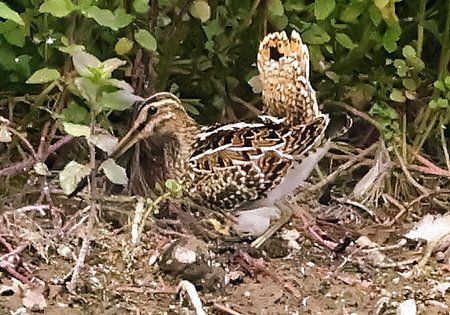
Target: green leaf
[
  {"x": 191, "y": 109},
  {"x": 75, "y": 113},
  {"x": 14, "y": 33},
  {"x": 43, "y": 76},
  {"x": 402, "y": 68},
  {"x": 122, "y": 18},
  {"x": 409, "y": 83},
  {"x": 417, "y": 64},
  {"x": 439, "y": 85},
  {"x": 71, "y": 175},
  {"x": 41, "y": 169},
  {"x": 5, "y": 135},
  {"x": 397, "y": 96},
  {"x": 383, "y": 111},
  {"x": 76, "y": 130},
  {"x": 114, "y": 172},
  {"x": 391, "y": 36},
  {"x": 58, "y": 8},
  {"x": 88, "y": 91},
  {"x": 438, "y": 103},
  {"x": 447, "y": 82},
  {"x": 119, "y": 100},
  {"x": 104, "y": 141},
  {"x": 123, "y": 46},
  {"x": 345, "y": 41},
  {"x": 323, "y": 8},
  {"x": 381, "y": 3},
  {"x": 332, "y": 76},
  {"x": 141, "y": 6},
  {"x": 375, "y": 15},
  {"x": 84, "y": 62},
  {"x": 409, "y": 52},
  {"x": 145, "y": 39},
  {"x": 411, "y": 95},
  {"x": 8, "y": 14},
  {"x": 351, "y": 14},
  {"x": 106, "y": 18},
  {"x": 201, "y": 10},
  {"x": 173, "y": 186},
  {"x": 212, "y": 28},
  {"x": 275, "y": 7},
  {"x": 315, "y": 35},
  {"x": 278, "y": 22}
]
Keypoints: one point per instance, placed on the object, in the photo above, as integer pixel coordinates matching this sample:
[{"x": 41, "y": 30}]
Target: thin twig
[
  {"x": 444, "y": 147},
  {"x": 429, "y": 194},
  {"x": 189, "y": 288},
  {"x": 401, "y": 207},
  {"x": 408, "y": 175},
  {"x": 423, "y": 160},
  {"x": 24, "y": 141},
  {"x": 356, "y": 112},
  {"x": 225, "y": 309},
  {"x": 344, "y": 167},
  {"x": 92, "y": 214},
  {"x": 19, "y": 166},
  {"x": 431, "y": 171},
  {"x": 248, "y": 105}
]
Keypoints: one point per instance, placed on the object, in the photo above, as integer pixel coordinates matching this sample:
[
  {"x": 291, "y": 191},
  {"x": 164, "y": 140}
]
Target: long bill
[{"x": 127, "y": 141}]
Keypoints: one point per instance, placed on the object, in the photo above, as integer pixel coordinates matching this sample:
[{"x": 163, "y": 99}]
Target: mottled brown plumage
[
  {"x": 283, "y": 65},
  {"x": 226, "y": 165},
  {"x": 230, "y": 166}
]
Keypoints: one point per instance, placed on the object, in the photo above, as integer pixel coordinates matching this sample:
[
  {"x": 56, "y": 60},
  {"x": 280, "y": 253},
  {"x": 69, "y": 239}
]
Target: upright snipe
[{"x": 243, "y": 164}]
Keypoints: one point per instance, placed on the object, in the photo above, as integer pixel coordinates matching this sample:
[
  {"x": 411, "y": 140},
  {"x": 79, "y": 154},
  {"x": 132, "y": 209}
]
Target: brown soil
[{"x": 296, "y": 277}]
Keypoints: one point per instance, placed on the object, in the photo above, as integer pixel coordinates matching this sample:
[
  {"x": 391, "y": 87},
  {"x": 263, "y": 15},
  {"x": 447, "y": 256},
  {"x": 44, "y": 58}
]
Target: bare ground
[{"x": 292, "y": 274}]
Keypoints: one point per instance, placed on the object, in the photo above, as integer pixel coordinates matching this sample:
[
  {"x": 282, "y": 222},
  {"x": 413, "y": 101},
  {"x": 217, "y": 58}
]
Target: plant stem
[
  {"x": 92, "y": 213},
  {"x": 420, "y": 30},
  {"x": 420, "y": 139},
  {"x": 445, "y": 53}
]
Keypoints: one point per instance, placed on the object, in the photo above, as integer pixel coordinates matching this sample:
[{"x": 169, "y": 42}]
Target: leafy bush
[{"x": 377, "y": 55}]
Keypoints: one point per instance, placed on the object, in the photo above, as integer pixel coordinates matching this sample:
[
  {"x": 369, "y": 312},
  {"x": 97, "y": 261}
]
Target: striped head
[
  {"x": 283, "y": 64},
  {"x": 161, "y": 114}
]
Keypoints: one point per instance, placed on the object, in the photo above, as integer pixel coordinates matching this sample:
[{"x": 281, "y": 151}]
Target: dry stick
[
  {"x": 41, "y": 146},
  {"x": 402, "y": 209},
  {"x": 7, "y": 265},
  {"x": 16, "y": 167},
  {"x": 248, "y": 105},
  {"x": 24, "y": 141},
  {"x": 431, "y": 246},
  {"x": 444, "y": 147},
  {"x": 92, "y": 213},
  {"x": 418, "y": 142},
  {"x": 429, "y": 194},
  {"x": 410, "y": 179},
  {"x": 225, "y": 309},
  {"x": 430, "y": 165},
  {"x": 344, "y": 167},
  {"x": 189, "y": 288},
  {"x": 408, "y": 175},
  {"x": 356, "y": 112},
  {"x": 431, "y": 171}
]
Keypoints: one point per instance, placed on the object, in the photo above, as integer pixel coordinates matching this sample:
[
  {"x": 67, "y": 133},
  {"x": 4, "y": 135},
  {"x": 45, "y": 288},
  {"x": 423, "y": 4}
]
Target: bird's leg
[{"x": 285, "y": 215}]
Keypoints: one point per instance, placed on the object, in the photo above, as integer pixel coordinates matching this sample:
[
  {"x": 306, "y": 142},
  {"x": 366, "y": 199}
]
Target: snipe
[
  {"x": 226, "y": 166},
  {"x": 243, "y": 165}
]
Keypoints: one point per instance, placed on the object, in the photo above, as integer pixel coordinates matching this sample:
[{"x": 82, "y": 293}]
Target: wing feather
[{"x": 235, "y": 163}]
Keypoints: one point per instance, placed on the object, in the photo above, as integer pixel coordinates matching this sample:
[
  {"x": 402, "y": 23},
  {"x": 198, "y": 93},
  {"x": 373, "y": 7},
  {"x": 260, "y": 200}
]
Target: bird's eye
[{"x": 152, "y": 110}]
